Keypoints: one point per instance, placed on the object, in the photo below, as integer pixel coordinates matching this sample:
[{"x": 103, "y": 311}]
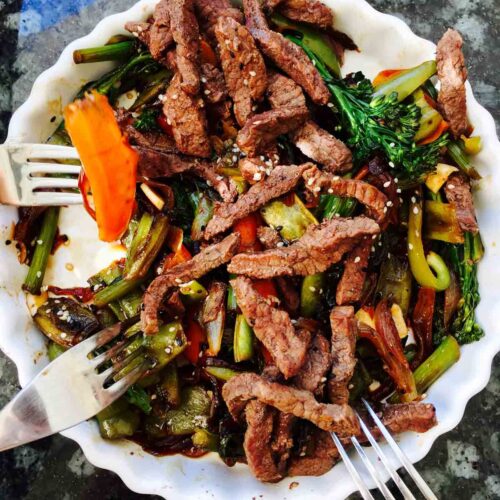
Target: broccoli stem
[
  {"x": 113, "y": 52},
  {"x": 460, "y": 157},
  {"x": 44, "y": 243}
]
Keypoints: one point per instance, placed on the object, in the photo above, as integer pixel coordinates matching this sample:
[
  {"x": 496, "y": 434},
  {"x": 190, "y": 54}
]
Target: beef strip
[
  {"x": 329, "y": 417},
  {"x": 343, "y": 325},
  {"x": 376, "y": 201},
  {"x": 282, "y": 442},
  {"x": 452, "y": 74},
  {"x": 186, "y": 34},
  {"x": 258, "y": 440},
  {"x": 307, "y": 11},
  {"x": 458, "y": 193},
  {"x": 208, "y": 259},
  {"x": 285, "y": 54},
  {"x": 214, "y": 302},
  {"x": 313, "y": 141},
  {"x": 269, "y": 237},
  {"x": 186, "y": 115},
  {"x": 318, "y": 361},
  {"x": 351, "y": 284},
  {"x": 416, "y": 417},
  {"x": 210, "y": 11},
  {"x": 243, "y": 66},
  {"x": 213, "y": 84},
  {"x": 260, "y": 131},
  {"x": 281, "y": 180},
  {"x": 318, "y": 460},
  {"x": 272, "y": 327},
  {"x": 319, "y": 248}
]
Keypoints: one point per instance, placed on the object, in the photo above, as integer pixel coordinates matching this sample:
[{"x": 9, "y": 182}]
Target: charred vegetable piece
[
  {"x": 205, "y": 440},
  {"x": 441, "y": 222},
  {"x": 464, "y": 259},
  {"x": 394, "y": 283},
  {"x": 407, "y": 81},
  {"x": 167, "y": 344},
  {"x": 243, "y": 340},
  {"x": 169, "y": 385},
  {"x": 115, "y": 291},
  {"x": 290, "y": 220},
  {"x": 65, "y": 322},
  {"x": 106, "y": 276},
  {"x": 430, "y": 119},
  {"x": 137, "y": 396},
  {"x": 148, "y": 241},
  {"x": 118, "y": 420},
  {"x": 221, "y": 372},
  {"x": 113, "y": 52},
  {"x": 155, "y": 84},
  {"x": 109, "y": 162},
  {"x": 203, "y": 214},
  {"x": 420, "y": 264},
  {"x": 192, "y": 413},
  {"x": 456, "y": 151},
  {"x": 311, "y": 295},
  {"x": 44, "y": 243},
  {"x": 55, "y": 350},
  {"x": 130, "y": 305},
  {"x": 193, "y": 291},
  {"x": 215, "y": 328}
]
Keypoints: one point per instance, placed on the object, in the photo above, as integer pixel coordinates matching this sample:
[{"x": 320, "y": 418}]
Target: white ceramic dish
[{"x": 385, "y": 42}]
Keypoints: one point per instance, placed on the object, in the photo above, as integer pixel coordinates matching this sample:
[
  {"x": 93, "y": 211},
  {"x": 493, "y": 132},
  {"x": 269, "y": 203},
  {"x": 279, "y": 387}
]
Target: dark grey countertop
[{"x": 463, "y": 464}]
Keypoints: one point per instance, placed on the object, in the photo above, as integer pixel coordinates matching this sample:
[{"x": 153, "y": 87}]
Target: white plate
[{"x": 385, "y": 42}]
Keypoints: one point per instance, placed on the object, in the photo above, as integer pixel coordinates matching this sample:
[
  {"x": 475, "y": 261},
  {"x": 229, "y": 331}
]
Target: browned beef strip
[
  {"x": 319, "y": 248},
  {"x": 282, "y": 442},
  {"x": 260, "y": 131},
  {"x": 214, "y": 302},
  {"x": 243, "y": 66},
  {"x": 317, "y": 461},
  {"x": 254, "y": 16},
  {"x": 343, "y": 325},
  {"x": 452, "y": 74},
  {"x": 258, "y": 440},
  {"x": 281, "y": 180},
  {"x": 352, "y": 282},
  {"x": 318, "y": 361},
  {"x": 329, "y": 417},
  {"x": 416, "y": 417},
  {"x": 308, "y": 11},
  {"x": 322, "y": 147},
  {"x": 312, "y": 140},
  {"x": 210, "y": 11},
  {"x": 269, "y": 237},
  {"x": 458, "y": 193},
  {"x": 376, "y": 201},
  {"x": 186, "y": 34},
  {"x": 283, "y": 91},
  {"x": 186, "y": 115},
  {"x": 213, "y": 84},
  {"x": 208, "y": 259},
  {"x": 272, "y": 327}
]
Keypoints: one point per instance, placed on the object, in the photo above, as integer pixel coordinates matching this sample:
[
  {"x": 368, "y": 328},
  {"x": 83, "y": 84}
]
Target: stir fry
[{"x": 295, "y": 240}]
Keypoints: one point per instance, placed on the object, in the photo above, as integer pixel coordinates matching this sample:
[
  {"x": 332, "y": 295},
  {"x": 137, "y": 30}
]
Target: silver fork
[
  {"x": 30, "y": 177},
  {"x": 372, "y": 470},
  {"x": 69, "y": 390}
]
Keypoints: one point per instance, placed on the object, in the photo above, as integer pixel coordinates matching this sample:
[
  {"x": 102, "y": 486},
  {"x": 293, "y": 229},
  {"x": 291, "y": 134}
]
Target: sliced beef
[
  {"x": 243, "y": 66},
  {"x": 329, "y": 417},
  {"x": 312, "y": 375},
  {"x": 272, "y": 327},
  {"x": 282, "y": 442},
  {"x": 213, "y": 84},
  {"x": 343, "y": 325},
  {"x": 376, "y": 201},
  {"x": 319, "y": 248},
  {"x": 283, "y": 91},
  {"x": 351, "y": 284},
  {"x": 214, "y": 302},
  {"x": 260, "y": 131},
  {"x": 307, "y": 11},
  {"x": 319, "y": 145},
  {"x": 313, "y": 141},
  {"x": 210, "y": 11},
  {"x": 258, "y": 440},
  {"x": 269, "y": 237},
  {"x": 253, "y": 170},
  {"x": 254, "y": 16},
  {"x": 452, "y": 74},
  {"x": 318, "y": 459},
  {"x": 186, "y": 34},
  {"x": 281, "y": 180},
  {"x": 416, "y": 417},
  {"x": 458, "y": 193},
  {"x": 208, "y": 259},
  {"x": 186, "y": 115}
]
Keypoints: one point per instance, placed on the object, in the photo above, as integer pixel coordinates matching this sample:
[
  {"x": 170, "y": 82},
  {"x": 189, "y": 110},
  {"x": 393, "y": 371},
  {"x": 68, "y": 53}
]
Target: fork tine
[
  {"x": 372, "y": 471},
  {"x": 408, "y": 495},
  {"x": 50, "y": 168},
  {"x": 419, "y": 480},
  {"x": 100, "y": 339},
  {"x": 119, "y": 388},
  {"x": 110, "y": 353},
  {"x": 55, "y": 199},
  {"x": 42, "y": 151},
  {"x": 362, "y": 488},
  {"x": 50, "y": 182}
]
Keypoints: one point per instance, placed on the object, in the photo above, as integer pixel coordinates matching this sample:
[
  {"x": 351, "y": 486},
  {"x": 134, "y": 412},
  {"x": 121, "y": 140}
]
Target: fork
[
  {"x": 69, "y": 390},
  {"x": 373, "y": 472},
  {"x": 30, "y": 177}
]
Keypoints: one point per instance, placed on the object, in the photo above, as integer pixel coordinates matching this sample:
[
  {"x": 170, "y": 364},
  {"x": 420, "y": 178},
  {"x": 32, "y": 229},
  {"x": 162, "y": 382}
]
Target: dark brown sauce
[{"x": 171, "y": 445}]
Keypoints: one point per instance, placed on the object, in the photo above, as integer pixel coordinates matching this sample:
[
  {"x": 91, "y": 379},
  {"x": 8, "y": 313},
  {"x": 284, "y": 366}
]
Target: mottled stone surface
[{"x": 463, "y": 464}]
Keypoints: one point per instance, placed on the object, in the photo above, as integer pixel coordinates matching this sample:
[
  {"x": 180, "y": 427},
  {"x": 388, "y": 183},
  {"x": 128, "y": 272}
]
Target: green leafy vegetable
[
  {"x": 137, "y": 396},
  {"x": 146, "y": 122}
]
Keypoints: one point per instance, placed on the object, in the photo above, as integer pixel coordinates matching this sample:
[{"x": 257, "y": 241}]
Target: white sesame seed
[
  {"x": 208, "y": 183},
  {"x": 312, "y": 289},
  {"x": 168, "y": 350},
  {"x": 178, "y": 280},
  {"x": 174, "y": 96},
  {"x": 392, "y": 144},
  {"x": 388, "y": 255},
  {"x": 401, "y": 200},
  {"x": 451, "y": 186},
  {"x": 153, "y": 397},
  {"x": 323, "y": 380},
  {"x": 417, "y": 233},
  {"x": 280, "y": 244},
  {"x": 357, "y": 259},
  {"x": 254, "y": 108},
  {"x": 410, "y": 246},
  {"x": 159, "y": 270},
  {"x": 168, "y": 121},
  {"x": 317, "y": 189},
  {"x": 252, "y": 73},
  {"x": 245, "y": 82},
  {"x": 413, "y": 199},
  {"x": 373, "y": 249},
  {"x": 330, "y": 191},
  {"x": 337, "y": 215},
  {"x": 336, "y": 178},
  {"x": 375, "y": 236},
  {"x": 396, "y": 180},
  {"x": 235, "y": 158},
  {"x": 63, "y": 335},
  {"x": 39, "y": 242},
  {"x": 385, "y": 210},
  {"x": 330, "y": 104},
  {"x": 207, "y": 92},
  {"x": 415, "y": 210},
  {"x": 374, "y": 386},
  {"x": 310, "y": 182},
  {"x": 203, "y": 79},
  {"x": 219, "y": 178},
  {"x": 389, "y": 203},
  {"x": 387, "y": 184},
  {"x": 391, "y": 164},
  {"x": 398, "y": 190},
  {"x": 257, "y": 176},
  {"x": 39, "y": 274}
]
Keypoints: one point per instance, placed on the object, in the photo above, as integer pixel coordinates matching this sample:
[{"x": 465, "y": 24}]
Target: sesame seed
[
  {"x": 374, "y": 237},
  {"x": 235, "y": 158},
  {"x": 208, "y": 183},
  {"x": 385, "y": 210},
  {"x": 317, "y": 189},
  {"x": 39, "y": 242},
  {"x": 451, "y": 186},
  {"x": 178, "y": 280},
  {"x": 388, "y": 255},
  {"x": 39, "y": 274},
  {"x": 257, "y": 176},
  {"x": 396, "y": 180},
  {"x": 357, "y": 259},
  {"x": 310, "y": 182},
  {"x": 373, "y": 249},
  {"x": 219, "y": 178},
  {"x": 374, "y": 386},
  {"x": 159, "y": 270},
  {"x": 280, "y": 244},
  {"x": 398, "y": 190},
  {"x": 401, "y": 200},
  {"x": 245, "y": 82},
  {"x": 254, "y": 108},
  {"x": 252, "y": 73},
  {"x": 415, "y": 210},
  {"x": 207, "y": 92},
  {"x": 417, "y": 233},
  {"x": 389, "y": 203},
  {"x": 413, "y": 199},
  {"x": 312, "y": 289},
  {"x": 387, "y": 184},
  {"x": 337, "y": 215},
  {"x": 391, "y": 164},
  {"x": 330, "y": 104},
  {"x": 336, "y": 178},
  {"x": 174, "y": 97},
  {"x": 330, "y": 191},
  {"x": 168, "y": 350},
  {"x": 410, "y": 246},
  {"x": 203, "y": 79},
  {"x": 153, "y": 397},
  {"x": 392, "y": 144},
  {"x": 323, "y": 379},
  {"x": 63, "y": 335},
  {"x": 168, "y": 121}
]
